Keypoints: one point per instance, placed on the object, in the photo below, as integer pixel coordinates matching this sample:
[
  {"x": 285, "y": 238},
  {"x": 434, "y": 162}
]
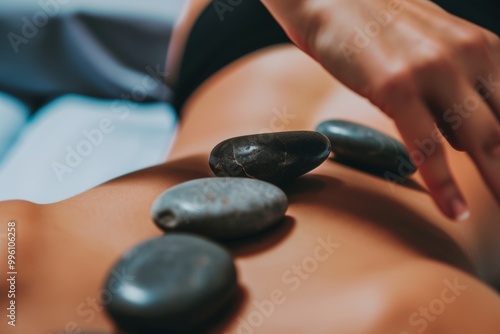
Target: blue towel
[{"x": 100, "y": 48}]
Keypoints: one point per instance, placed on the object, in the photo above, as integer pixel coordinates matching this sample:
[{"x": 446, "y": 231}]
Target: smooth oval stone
[
  {"x": 174, "y": 283},
  {"x": 367, "y": 148},
  {"x": 272, "y": 157},
  {"x": 221, "y": 208}
]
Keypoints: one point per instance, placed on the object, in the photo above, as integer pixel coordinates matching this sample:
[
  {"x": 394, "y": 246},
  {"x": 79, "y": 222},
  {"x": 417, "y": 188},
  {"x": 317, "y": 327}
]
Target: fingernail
[{"x": 459, "y": 209}]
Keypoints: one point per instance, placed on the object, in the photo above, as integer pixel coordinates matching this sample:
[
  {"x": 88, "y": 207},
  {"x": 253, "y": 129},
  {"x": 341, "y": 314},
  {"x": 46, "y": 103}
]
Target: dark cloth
[
  {"x": 222, "y": 34},
  {"x": 485, "y": 13}
]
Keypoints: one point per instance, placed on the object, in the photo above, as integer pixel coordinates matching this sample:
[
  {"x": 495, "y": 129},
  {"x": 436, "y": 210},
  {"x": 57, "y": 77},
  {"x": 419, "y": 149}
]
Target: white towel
[{"x": 76, "y": 143}]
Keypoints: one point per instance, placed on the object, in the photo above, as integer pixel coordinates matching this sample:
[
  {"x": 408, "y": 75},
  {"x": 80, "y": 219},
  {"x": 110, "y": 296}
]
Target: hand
[{"x": 421, "y": 66}]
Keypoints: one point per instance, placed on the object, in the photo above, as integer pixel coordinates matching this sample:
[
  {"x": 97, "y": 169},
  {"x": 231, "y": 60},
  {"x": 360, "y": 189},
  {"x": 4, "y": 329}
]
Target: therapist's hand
[{"x": 421, "y": 66}]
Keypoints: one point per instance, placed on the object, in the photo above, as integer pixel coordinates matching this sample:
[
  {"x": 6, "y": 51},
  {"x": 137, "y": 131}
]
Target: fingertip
[
  {"x": 459, "y": 209},
  {"x": 451, "y": 203}
]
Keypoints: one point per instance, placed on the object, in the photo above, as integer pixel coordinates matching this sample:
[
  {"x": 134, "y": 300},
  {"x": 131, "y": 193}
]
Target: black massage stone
[
  {"x": 359, "y": 145},
  {"x": 273, "y": 157},
  {"x": 221, "y": 208},
  {"x": 176, "y": 283}
]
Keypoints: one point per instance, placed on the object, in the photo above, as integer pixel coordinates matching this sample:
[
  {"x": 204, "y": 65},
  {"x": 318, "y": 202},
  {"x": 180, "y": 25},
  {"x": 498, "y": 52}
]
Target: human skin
[
  {"x": 415, "y": 63},
  {"x": 394, "y": 253}
]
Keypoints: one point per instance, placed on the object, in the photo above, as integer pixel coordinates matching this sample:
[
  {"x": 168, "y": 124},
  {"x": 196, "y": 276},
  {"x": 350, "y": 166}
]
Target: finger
[
  {"x": 494, "y": 42},
  {"x": 419, "y": 132},
  {"x": 480, "y": 136},
  {"x": 449, "y": 135},
  {"x": 488, "y": 87},
  {"x": 443, "y": 116}
]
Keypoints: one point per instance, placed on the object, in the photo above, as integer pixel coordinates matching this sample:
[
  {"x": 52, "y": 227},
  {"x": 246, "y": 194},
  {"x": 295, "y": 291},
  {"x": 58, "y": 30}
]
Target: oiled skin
[{"x": 393, "y": 249}]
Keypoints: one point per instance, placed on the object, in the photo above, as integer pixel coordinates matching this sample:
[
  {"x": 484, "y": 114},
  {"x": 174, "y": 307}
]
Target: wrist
[{"x": 301, "y": 19}]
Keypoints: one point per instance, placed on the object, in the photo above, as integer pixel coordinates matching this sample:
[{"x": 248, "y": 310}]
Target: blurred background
[{"x": 82, "y": 93}]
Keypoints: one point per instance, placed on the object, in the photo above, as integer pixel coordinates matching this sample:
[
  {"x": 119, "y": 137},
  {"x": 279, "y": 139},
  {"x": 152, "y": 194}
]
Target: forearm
[
  {"x": 297, "y": 17},
  {"x": 311, "y": 23}
]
